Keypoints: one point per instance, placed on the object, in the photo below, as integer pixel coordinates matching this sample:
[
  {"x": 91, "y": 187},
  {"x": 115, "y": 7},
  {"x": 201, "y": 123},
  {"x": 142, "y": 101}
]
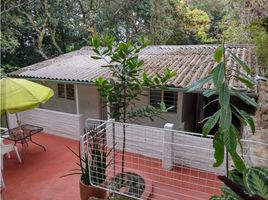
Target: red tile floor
[{"x": 39, "y": 177}]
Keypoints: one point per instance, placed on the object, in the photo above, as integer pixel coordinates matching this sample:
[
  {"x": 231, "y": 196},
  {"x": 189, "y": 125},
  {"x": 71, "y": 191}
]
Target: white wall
[
  {"x": 187, "y": 150},
  {"x": 58, "y": 104},
  {"x": 54, "y": 122},
  {"x": 88, "y": 97},
  {"x": 89, "y": 101},
  {"x": 196, "y": 152},
  {"x": 174, "y": 118},
  {"x": 143, "y": 140}
]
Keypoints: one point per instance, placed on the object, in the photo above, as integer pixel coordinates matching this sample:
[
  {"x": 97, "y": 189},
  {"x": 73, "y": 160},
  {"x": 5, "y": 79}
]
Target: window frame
[
  {"x": 65, "y": 91},
  {"x": 162, "y": 99}
]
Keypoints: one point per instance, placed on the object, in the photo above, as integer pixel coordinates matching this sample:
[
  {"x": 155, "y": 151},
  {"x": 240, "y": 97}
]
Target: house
[{"x": 76, "y": 98}]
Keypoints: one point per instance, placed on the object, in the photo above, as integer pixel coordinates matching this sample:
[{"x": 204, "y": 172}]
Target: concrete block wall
[
  {"x": 196, "y": 152},
  {"x": 66, "y": 124},
  {"x": 143, "y": 140},
  {"x": 171, "y": 146}
]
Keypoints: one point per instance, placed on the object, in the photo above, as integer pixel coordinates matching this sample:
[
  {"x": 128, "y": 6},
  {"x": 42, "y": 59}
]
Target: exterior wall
[
  {"x": 88, "y": 97},
  {"x": 183, "y": 148},
  {"x": 89, "y": 101},
  {"x": 54, "y": 122},
  {"x": 174, "y": 118},
  {"x": 196, "y": 152},
  {"x": 58, "y": 104}
]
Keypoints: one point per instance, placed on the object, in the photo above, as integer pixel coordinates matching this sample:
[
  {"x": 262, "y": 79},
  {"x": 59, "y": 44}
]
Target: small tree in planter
[{"x": 127, "y": 81}]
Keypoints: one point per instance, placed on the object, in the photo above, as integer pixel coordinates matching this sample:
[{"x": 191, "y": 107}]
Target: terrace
[
  {"x": 183, "y": 173},
  {"x": 39, "y": 176}
]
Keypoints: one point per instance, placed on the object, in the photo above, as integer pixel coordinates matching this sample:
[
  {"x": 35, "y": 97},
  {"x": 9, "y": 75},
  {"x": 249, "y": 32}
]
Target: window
[
  {"x": 66, "y": 91},
  {"x": 61, "y": 91},
  {"x": 168, "y": 97},
  {"x": 155, "y": 98},
  {"x": 70, "y": 91}
]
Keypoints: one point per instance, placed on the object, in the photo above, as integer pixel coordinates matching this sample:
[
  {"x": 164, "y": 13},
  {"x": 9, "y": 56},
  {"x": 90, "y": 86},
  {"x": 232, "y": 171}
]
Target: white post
[
  {"x": 76, "y": 99},
  {"x": 168, "y": 154}
]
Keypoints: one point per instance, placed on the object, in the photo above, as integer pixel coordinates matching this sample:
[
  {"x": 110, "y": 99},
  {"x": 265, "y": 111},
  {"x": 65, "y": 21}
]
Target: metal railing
[{"x": 159, "y": 163}]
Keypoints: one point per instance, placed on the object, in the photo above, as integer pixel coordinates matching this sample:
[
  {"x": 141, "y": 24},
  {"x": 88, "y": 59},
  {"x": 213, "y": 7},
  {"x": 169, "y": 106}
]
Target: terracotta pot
[{"x": 87, "y": 191}]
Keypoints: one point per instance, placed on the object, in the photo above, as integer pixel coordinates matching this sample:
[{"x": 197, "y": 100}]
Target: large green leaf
[
  {"x": 241, "y": 63},
  {"x": 225, "y": 118},
  {"x": 218, "y": 53},
  {"x": 247, "y": 81},
  {"x": 210, "y": 123},
  {"x": 198, "y": 84},
  {"x": 256, "y": 182},
  {"x": 243, "y": 96},
  {"x": 224, "y": 95},
  {"x": 238, "y": 162},
  {"x": 218, "y": 75},
  {"x": 218, "y": 146},
  {"x": 246, "y": 117},
  {"x": 230, "y": 138}
]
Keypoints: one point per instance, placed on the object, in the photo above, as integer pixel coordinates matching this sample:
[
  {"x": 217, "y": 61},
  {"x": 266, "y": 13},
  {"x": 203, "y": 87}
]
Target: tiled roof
[{"x": 190, "y": 62}]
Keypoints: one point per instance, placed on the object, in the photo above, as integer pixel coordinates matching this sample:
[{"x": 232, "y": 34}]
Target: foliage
[
  {"x": 259, "y": 29},
  {"x": 92, "y": 165},
  {"x": 190, "y": 26},
  {"x": 125, "y": 19},
  {"x": 32, "y": 31},
  {"x": 247, "y": 23},
  {"x": 252, "y": 184},
  {"x": 126, "y": 83},
  {"x": 227, "y": 134}
]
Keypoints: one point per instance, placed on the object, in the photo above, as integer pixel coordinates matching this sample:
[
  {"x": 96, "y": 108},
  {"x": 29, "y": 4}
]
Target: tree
[
  {"x": 216, "y": 11},
  {"x": 38, "y": 30},
  {"x": 191, "y": 25},
  {"x": 127, "y": 83},
  {"x": 125, "y": 19}
]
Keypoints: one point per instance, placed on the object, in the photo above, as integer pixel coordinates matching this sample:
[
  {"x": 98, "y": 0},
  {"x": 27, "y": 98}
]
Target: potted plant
[{"x": 92, "y": 168}]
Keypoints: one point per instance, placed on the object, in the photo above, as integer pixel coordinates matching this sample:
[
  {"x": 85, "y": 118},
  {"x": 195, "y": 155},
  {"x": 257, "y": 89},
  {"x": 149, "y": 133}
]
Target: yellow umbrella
[{"x": 18, "y": 95}]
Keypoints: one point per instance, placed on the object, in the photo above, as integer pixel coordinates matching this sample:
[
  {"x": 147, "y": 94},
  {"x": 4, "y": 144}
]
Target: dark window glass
[
  {"x": 170, "y": 100},
  {"x": 61, "y": 91},
  {"x": 70, "y": 91},
  {"x": 155, "y": 98}
]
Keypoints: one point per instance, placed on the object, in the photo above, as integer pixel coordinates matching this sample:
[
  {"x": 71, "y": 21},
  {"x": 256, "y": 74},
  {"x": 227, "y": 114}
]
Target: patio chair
[{"x": 6, "y": 149}]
